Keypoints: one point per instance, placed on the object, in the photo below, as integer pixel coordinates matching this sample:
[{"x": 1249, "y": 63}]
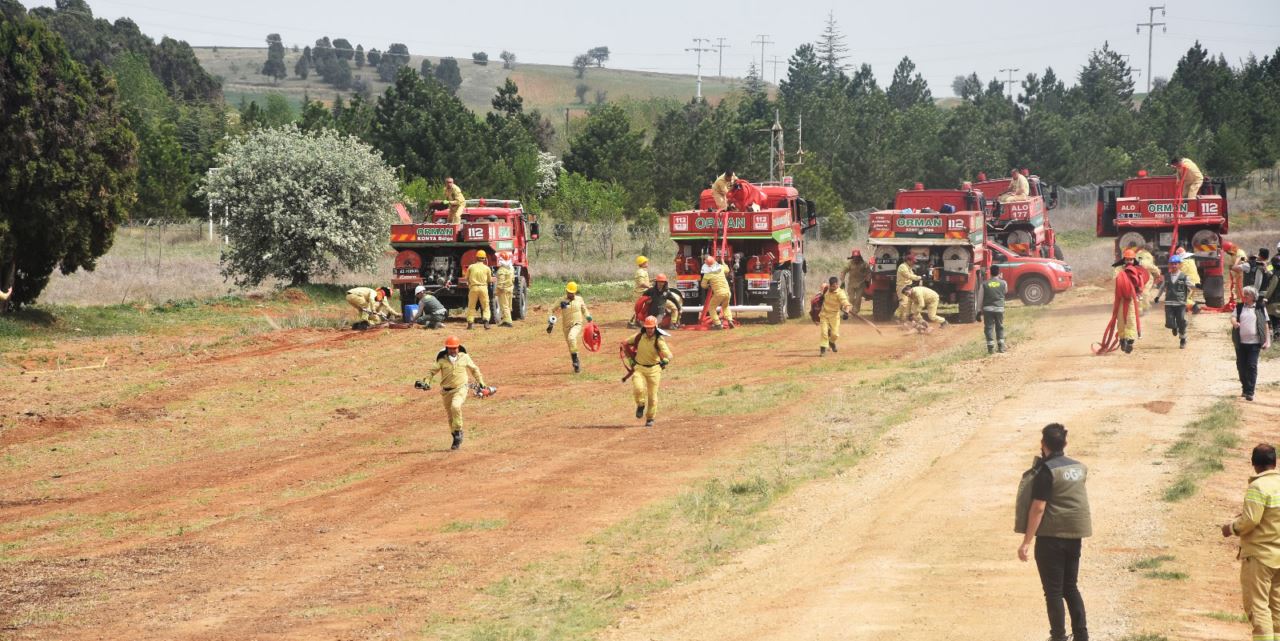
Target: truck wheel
[
  {"x": 796, "y": 302},
  {"x": 779, "y": 312},
  {"x": 519, "y": 300},
  {"x": 968, "y": 303},
  {"x": 1214, "y": 292},
  {"x": 1035, "y": 290},
  {"x": 883, "y": 304}
]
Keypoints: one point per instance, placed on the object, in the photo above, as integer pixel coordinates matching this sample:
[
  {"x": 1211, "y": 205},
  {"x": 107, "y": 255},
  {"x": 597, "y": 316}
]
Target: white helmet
[{"x": 419, "y": 290}]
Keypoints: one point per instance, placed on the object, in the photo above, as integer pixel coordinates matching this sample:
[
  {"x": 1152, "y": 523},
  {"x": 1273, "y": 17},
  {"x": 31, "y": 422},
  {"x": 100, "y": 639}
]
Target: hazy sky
[{"x": 943, "y": 37}]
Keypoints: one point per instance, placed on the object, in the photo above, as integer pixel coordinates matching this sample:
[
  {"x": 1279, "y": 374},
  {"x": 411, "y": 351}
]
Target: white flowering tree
[
  {"x": 549, "y": 168},
  {"x": 301, "y": 204}
]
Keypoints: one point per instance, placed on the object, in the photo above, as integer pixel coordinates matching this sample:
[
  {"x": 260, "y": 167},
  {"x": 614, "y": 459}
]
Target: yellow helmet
[
  {"x": 572, "y": 287},
  {"x": 481, "y": 254},
  {"x": 640, "y": 260}
]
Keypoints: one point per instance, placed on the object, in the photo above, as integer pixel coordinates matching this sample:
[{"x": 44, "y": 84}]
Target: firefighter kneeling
[
  {"x": 454, "y": 366},
  {"x": 923, "y": 307},
  {"x": 648, "y": 356},
  {"x": 834, "y": 301}
]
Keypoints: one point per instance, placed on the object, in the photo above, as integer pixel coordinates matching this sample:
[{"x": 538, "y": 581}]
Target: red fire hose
[{"x": 1128, "y": 288}]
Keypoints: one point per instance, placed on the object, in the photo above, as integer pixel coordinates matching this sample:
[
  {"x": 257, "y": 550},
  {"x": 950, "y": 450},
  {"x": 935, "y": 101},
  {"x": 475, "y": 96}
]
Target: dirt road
[
  {"x": 917, "y": 543},
  {"x": 294, "y": 485}
]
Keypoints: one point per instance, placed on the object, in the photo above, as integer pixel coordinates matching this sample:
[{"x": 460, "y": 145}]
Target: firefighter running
[
  {"x": 504, "y": 285},
  {"x": 573, "y": 315},
  {"x": 454, "y": 367},
  {"x": 834, "y": 301},
  {"x": 370, "y": 304},
  {"x": 906, "y": 277},
  {"x": 923, "y": 307},
  {"x": 1177, "y": 292},
  {"x": 713, "y": 279},
  {"x": 455, "y": 200},
  {"x": 478, "y": 277},
  {"x": 854, "y": 278},
  {"x": 649, "y": 355}
]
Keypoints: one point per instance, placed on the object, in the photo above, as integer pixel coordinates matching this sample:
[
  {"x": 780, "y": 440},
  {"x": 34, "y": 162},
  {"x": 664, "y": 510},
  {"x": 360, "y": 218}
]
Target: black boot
[
  {"x": 1182, "y": 342},
  {"x": 1001, "y": 348},
  {"x": 577, "y": 365},
  {"x": 649, "y": 423},
  {"x": 822, "y": 351},
  {"x": 470, "y": 324},
  {"x": 833, "y": 347},
  {"x": 991, "y": 349},
  {"x": 457, "y": 440},
  {"x": 486, "y": 326},
  {"x": 639, "y": 411}
]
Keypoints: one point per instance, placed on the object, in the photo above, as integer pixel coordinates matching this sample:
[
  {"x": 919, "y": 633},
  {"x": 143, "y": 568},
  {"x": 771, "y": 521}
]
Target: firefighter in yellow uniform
[
  {"x": 651, "y": 357},
  {"x": 504, "y": 285},
  {"x": 906, "y": 277},
  {"x": 478, "y": 277},
  {"x": 855, "y": 276},
  {"x": 1233, "y": 261},
  {"x": 454, "y": 367},
  {"x": 573, "y": 315},
  {"x": 456, "y": 201},
  {"x": 720, "y": 189},
  {"x": 1018, "y": 191},
  {"x": 1130, "y": 332},
  {"x": 1190, "y": 175},
  {"x": 369, "y": 303},
  {"x": 640, "y": 284},
  {"x": 924, "y": 305},
  {"x": 834, "y": 301},
  {"x": 713, "y": 278},
  {"x": 1148, "y": 262}
]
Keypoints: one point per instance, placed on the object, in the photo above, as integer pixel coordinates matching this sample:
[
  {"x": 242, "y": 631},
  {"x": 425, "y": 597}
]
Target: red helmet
[
  {"x": 452, "y": 342},
  {"x": 662, "y": 278},
  {"x": 1130, "y": 253},
  {"x": 650, "y": 322},
  {"x": 857, "y": 253}
]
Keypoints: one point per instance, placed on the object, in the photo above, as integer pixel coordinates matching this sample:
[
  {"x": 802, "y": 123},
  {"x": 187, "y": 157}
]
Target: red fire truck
[
  {"x": 434, "y": 253},
  {"x": 1149, "y": 210},
  {"x": 1022, "y": 226},
  {"x": 763, "y": 252}
]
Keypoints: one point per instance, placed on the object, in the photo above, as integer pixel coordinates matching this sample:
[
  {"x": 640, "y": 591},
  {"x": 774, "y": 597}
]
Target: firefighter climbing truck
[
  {"x": 1022, "y": 226},
  {"x": 1149, "y": 210},
  {"x": 950, "y": 248},
  {"x": 762, "y": 251},
  {"x": 434, "y": 253}
]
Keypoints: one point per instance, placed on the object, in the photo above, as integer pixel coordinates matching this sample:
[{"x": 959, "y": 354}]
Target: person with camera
[{"x": 454, "y": 367}]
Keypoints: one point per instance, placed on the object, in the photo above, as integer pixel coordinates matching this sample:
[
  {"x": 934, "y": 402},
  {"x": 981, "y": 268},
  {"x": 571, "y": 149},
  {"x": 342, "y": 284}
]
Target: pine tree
[
  {"x": 274, "y": 67},
  {"x": 905, "y": 91},
  {"x": 831, "y": 49}
]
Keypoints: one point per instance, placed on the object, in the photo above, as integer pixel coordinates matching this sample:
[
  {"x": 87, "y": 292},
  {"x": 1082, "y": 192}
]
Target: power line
[
  {"x": 698, "y": 48},
  {"x": 1151, "y": 25},
  {"x": 721, "y": 46},
  {"x": 1009, "y": 83},
  {"x": 775, "y": 60},
  {"x": 764, "y": 40}
]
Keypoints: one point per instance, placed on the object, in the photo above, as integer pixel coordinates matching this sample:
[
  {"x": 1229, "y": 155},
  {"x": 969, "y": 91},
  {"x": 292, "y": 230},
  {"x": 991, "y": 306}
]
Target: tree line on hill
[{"x": 136, "y": 124}]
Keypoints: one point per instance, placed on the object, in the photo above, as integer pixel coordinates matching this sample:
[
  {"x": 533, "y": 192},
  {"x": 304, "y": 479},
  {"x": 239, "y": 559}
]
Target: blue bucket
[{"x": 409, "y": 311}]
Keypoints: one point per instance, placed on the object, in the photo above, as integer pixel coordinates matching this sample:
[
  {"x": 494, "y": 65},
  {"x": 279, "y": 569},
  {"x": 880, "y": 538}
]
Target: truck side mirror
[
  {"x": 534, "y": 230},
  {"x": 1053, "y": 197},
  {"x": 813, "y": 214}
]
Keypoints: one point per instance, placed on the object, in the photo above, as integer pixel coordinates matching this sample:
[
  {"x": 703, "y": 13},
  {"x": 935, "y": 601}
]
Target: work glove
[
  {"x": 422, "y": 385},
  {"x": 1156, "y": 299},
  {"x": 844, "y": 315},
  {"x": 564, "y": 304},
  {"x": 663, "y": 364}
]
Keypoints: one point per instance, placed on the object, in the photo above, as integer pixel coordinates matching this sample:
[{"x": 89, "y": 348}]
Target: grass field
[{"x": 549, "y": 88}]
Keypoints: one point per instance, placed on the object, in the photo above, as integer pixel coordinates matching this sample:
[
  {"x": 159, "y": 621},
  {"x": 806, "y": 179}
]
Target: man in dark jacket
[
  {"x": 1176, "y": 290},
  {"x": 1053, "y": 508}
]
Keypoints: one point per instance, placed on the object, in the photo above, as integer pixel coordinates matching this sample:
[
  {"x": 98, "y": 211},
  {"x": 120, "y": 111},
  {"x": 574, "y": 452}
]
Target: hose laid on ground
[{"x": 1126, "y": 297}]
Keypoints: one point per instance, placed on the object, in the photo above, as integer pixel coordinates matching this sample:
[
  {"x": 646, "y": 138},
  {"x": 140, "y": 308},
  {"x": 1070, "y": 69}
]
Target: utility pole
[
  {"x": 697, "y": 47},
  {"x": 721, "y": 46},
  {"x": 764, "y": 40},
  {"x": 1009, "y": 83},
  {"x": 1132, "y": 69},
  {"x": 775, "y": 60},
  {"x": 1151, "y": 25}
]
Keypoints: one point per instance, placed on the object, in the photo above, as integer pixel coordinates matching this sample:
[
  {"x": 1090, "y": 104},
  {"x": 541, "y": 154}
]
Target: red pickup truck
[{"x": 1033, "y": 279}]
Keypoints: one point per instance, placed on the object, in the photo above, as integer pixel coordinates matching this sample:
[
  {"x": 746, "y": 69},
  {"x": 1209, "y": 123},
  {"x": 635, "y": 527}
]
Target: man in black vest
[{"x": 1056, "y": 510}]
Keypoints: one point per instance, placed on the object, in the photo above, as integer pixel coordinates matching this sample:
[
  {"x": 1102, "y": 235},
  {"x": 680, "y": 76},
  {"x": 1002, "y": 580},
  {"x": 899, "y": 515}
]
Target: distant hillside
[{"x": 549, "y": 88}]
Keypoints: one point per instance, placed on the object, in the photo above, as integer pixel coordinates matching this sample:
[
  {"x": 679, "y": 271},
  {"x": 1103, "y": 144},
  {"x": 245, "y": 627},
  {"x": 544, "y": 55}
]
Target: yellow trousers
[
  {"x": 359, "y": 303},
  {"x": 455, "y": 215},
  {"x": 504, "y": 301},
  {"x": 644, "y": 386},
  {"x": 904, "y": 307},
  {"x": 1237, "y": 286},
  {"x": 477, "y": 295},
  {"x": 855, "y": 299},
  {"x": 929, "y": 313},
  {"x": 571, "y": 336},
  {"x": 830, "y": 328},
  {"x": 453, "y": 406},
  {"x": 1260, "y": 587},
  {"x": 1146, "y": 294},
  {"x": 1130, "y": 331},
  {"x": 1192, "y": 189},
  {"x": 722, "y": 202},
  {"x": 719, "y": 300}
]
